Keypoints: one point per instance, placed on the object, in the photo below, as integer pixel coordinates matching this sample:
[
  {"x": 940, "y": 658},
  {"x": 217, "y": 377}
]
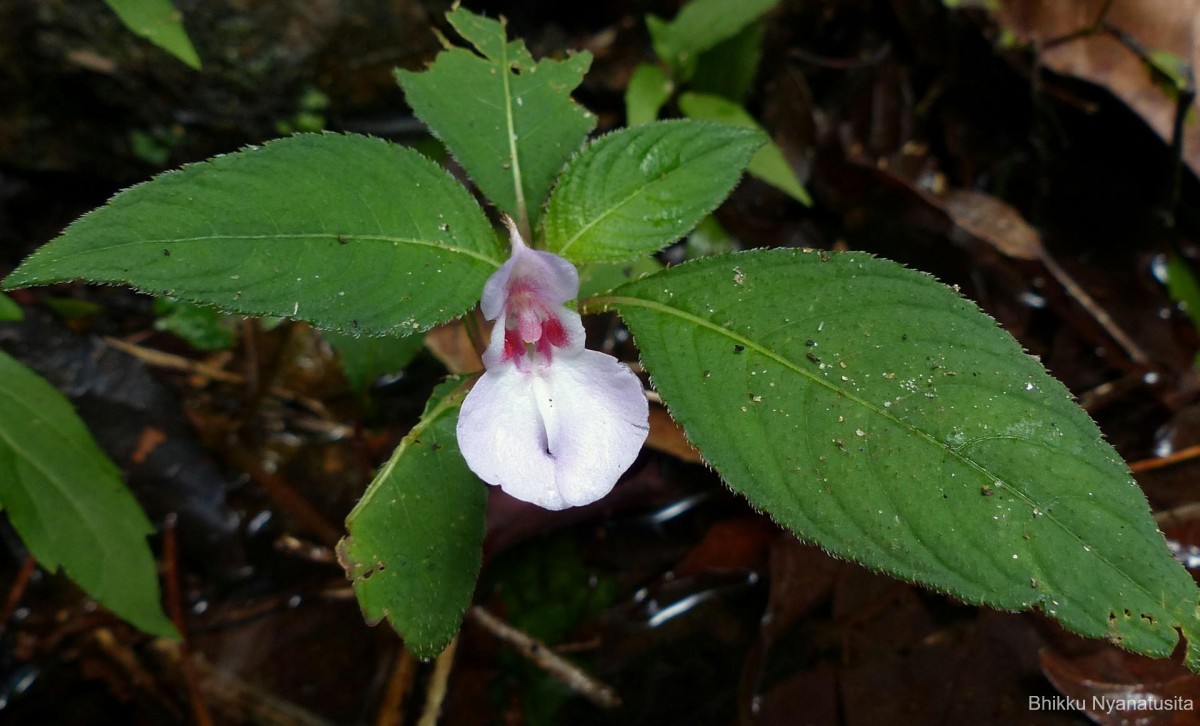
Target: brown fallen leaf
[
  {"x": 451, "y": 345},
  {"x": 1000, "y": 225},
  {"x": 993, "y": 221},
  {"x": 1100, "y": 57},
  {"x": 1113, "y": 687},
  {"x": 667, "y": 437},
  {"x": 730, "y": 544}
]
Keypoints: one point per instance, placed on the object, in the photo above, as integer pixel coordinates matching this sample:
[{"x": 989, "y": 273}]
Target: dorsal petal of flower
[
  {"x": 550, "y": 277},
  {"x": 500, "y": 434},
  {"x": 556, "y": 438}
]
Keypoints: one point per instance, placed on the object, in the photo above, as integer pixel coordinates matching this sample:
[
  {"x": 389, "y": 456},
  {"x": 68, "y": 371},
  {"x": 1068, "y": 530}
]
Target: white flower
[{"x": 550, "y": 422}]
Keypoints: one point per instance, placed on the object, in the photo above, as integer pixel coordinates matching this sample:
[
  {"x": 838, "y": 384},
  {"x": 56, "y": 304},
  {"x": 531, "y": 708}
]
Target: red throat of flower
[{"x": 531, "y": 329}]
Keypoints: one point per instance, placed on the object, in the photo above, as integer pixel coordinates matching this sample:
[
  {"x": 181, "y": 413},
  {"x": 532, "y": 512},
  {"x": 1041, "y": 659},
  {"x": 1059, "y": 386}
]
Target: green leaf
[
  {"x": 366, "y": 358},
  {"x": 72, "y": 308},
  {"x": 346, "y": 232},
  {"x": 160, "y": 23},
  {"x": 1170, "y": 67},
  {"x": 10, "y": 311},
  {"x": 508, "y": 120},
  {"x": 648, "y": 89},
  {"x": 416, "y": 537},
  {"x": 877, "y": 413},
  {"x": 599, "y": 277},
  {"x": 634, "y": 191},
  {"x": 1183, "y": 288},
  {"x": 701, "y": 25},
  {"x": 203, "y": 328},
  {"x": 66, "y": 500},
  {"x": 768, "y": 163},
  {"x": 729, "y": 68}
]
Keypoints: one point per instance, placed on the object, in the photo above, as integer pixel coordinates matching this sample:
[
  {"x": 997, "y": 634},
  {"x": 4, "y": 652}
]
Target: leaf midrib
[
  {"x": 450, "y": 401},
  {"x": 57, "y": 482},
  {"x": 605, "y": 302},
  {"x": 300, "y": 235},
  {"x": 505, "y": 66}
]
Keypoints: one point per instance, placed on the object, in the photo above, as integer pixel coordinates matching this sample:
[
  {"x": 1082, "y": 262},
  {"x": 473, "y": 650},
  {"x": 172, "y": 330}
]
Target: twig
[
  {"x": 77, "y": 621},
  {"x": 850, "y": 63},
  {"x": 162, "y": 359},
  {"x": 238, "y": 615},
  {"x": 391, "y": 707},
  {"x": 235, "y": 700},
  {"x": 1171, "y": 459},
  {"x": 120, "y": 655},
  {"x": 233, "y": 616},
  {"x": 1110, "y": 391},
  {"x": 585, "y": 685},
  {"x": 583, "y": 646},
  {"x": 250, "y": 347},
  {"x": 287, "y": 498},
  {"x": 1132, "y": 349},
  {"x": 344, "y": 593},
  {"x": 263, "y": 381},
  {"x": 1091, "y": 28},
  {"x": 435, "y": 694},
  {"x": 1183, "y": 107},
  {"x": 20, "y": 582},
  {"x": 175, "y": 609},
  {"x": 1178, "y": 515},
  {"x": 170, "y": 361},
  {"x": 297, "y": 547},
  {"x": 332, "y": 430}
]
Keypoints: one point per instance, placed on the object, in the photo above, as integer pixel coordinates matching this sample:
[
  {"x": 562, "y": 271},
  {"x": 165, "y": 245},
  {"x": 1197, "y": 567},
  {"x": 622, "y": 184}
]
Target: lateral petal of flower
[
  {"x": 557, "y": 439},
  {"x": 595, "y": 413},
  {"x": 500, "y": 434}
]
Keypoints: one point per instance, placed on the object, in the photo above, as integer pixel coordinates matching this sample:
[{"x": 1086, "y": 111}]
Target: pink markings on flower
[{"x": 549, "y": 422}]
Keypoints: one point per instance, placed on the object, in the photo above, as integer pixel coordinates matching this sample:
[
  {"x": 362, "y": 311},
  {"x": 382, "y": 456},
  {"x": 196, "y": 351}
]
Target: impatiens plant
[{"x": 862, "y": 405}]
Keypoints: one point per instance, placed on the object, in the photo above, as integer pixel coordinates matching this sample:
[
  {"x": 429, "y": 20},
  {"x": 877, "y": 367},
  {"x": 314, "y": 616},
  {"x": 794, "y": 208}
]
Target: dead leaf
[
  {"x": 667, "y": 437},
  {"x": 993, "y": 221},
  {"x": 451, "y": 345},
  {"x": 1102, "y": 683},
  {"x": 805, "y": 697},
  {"x": 731, "y": 544},
  {"x": 1100, "y": 57}
]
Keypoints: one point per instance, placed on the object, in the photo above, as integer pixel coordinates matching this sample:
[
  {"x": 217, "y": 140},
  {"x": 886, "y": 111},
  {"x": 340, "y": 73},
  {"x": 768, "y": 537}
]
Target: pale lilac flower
[{"x": 550, "y": 422}]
